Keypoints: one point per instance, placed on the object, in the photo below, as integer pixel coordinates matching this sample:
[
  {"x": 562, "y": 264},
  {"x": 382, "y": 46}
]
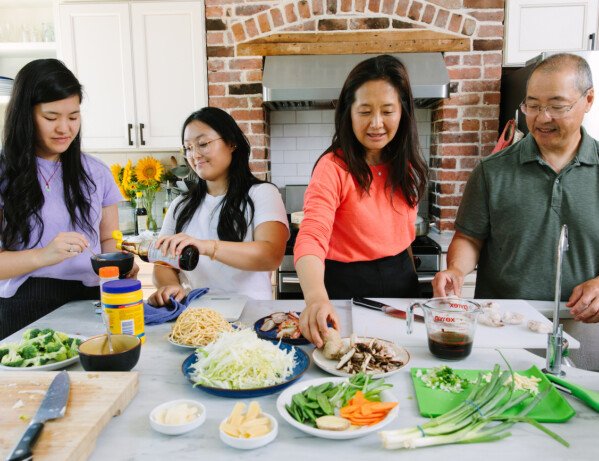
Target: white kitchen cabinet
[
  {"x": 143, "y": 69},
  {"x": 534, "y": 26}
]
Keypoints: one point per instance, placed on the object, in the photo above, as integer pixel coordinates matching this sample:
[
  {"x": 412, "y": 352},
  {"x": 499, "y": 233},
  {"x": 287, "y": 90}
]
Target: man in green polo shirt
[{"x": 516, "y": 201}]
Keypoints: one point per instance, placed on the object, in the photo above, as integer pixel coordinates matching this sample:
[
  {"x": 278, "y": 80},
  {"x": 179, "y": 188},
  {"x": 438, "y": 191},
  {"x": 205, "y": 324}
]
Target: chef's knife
[
  {"x": 389, "y": 310},
  {"x": 53, "y": 406}
]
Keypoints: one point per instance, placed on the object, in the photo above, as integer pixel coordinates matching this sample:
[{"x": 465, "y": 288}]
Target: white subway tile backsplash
[
  {"x": 297, "y": 180},
  {"x": 282, "y": 116},
  {"x": 283, "y": 143},
  {"x": 277, "y": 156},
  {"x": 316, "y": 142},
  {"x": 276, "y": 131},
  {"x": 297, "y": 156},
  {"x": 322, "y": 129},
  {"x": 297, "y": 131},
  {"x": 328, "y": 116},
  {"x": 308, "y": 116},
  {"x": 283, "y": 169},
  {"x": 304, "y": 169}
]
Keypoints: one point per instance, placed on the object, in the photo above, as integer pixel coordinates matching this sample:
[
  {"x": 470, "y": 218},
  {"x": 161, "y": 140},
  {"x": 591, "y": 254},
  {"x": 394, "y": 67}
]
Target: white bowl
[
  {"x": 176, "y": 429},
  {"x": 253, "y": 442}
]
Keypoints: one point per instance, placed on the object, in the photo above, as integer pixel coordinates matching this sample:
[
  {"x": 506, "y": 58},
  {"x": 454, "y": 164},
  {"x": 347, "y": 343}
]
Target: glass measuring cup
[{"x": 450, "y": 325}]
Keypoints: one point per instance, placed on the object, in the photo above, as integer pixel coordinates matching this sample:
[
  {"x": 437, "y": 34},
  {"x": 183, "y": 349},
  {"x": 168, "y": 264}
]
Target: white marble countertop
[{"x": 130, "y": 437}]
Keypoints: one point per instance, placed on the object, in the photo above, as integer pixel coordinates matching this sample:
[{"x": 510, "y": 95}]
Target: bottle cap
[
  {"x": 109, "y": 271},
  {"x": 121, "y": 286}
]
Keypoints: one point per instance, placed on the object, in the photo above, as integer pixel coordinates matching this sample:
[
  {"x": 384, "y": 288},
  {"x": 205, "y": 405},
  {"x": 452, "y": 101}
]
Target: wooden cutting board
[{"x": 94, "y": 398}]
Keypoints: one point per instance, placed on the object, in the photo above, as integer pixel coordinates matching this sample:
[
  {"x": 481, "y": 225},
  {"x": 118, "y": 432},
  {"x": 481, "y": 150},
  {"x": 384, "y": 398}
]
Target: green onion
[{"x": 478, "y": 419}]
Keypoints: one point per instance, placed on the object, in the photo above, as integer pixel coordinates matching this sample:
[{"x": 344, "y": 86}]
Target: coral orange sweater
[{"x": 343, "y": 224}]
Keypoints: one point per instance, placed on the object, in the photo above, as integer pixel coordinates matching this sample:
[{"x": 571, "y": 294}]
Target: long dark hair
[
  {"x": 40, "y": 81},
  {"x": 232, "y": 224},
  {"x": 407, "y": 168}
]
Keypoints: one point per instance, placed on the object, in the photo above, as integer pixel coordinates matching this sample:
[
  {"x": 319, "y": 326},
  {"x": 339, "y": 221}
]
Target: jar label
[{"x": 126, "y": 319}]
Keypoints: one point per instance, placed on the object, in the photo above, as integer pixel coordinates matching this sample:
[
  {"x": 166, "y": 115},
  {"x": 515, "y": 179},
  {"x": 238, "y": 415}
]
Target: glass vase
[{"x": 149, "y": 198}]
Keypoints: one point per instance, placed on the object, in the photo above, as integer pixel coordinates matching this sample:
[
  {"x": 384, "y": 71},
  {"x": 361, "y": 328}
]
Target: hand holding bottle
[{"x": 175, "y": 244}]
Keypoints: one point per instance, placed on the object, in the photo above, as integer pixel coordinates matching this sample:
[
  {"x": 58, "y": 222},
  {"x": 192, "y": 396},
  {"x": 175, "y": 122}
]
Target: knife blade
[
  {"x": 53, "y": 406},
  {"x": 389, "y": 310}
]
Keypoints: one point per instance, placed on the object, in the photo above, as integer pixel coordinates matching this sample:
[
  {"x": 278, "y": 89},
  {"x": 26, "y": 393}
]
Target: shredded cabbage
[{"x": 241, "y": 360}]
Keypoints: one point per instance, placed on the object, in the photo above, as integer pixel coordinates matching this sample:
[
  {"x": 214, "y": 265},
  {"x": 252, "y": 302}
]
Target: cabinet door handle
[
  {"x": 129, "y": 128},
  {"x": 592, "y": 40},
  {"x": 141, "y": 134}
]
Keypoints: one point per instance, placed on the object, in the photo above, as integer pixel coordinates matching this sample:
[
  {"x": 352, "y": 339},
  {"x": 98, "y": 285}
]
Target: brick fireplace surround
[{"x": 464, "y": 127}]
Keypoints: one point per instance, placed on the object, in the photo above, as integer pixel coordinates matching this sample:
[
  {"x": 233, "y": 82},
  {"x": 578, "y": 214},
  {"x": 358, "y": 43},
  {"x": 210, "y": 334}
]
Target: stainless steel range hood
[{"x": 315, "y": 81}]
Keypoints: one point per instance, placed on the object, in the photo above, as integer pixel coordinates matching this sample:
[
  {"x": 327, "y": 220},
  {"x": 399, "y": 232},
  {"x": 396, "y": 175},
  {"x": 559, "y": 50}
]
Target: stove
[{"x": 427, "y": 259}]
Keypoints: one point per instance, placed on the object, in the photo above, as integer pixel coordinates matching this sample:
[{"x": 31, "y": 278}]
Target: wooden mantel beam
[{"x": 394, "y": 41}]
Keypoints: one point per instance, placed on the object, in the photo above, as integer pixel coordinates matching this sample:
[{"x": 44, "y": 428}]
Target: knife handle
[
  {"x": 369, "y": 303},
  {"x": 22, "y": 451}
]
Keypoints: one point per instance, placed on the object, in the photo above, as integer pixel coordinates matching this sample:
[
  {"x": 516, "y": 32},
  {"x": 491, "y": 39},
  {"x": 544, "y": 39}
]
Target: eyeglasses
[
  {"x": 197, "y": 146},
  {"x": 553, "y": 111}
]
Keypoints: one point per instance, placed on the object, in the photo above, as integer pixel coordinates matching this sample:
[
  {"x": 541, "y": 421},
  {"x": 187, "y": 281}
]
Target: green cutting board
[{"x": 434, "y": 402}]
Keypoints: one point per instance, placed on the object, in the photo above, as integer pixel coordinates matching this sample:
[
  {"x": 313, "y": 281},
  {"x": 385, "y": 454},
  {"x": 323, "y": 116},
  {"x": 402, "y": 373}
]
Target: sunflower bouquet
[{"x": 145, "y": 177}]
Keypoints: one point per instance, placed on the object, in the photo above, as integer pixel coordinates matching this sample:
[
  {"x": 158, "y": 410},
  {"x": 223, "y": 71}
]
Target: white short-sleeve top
[{"x": 219, "y": 277}]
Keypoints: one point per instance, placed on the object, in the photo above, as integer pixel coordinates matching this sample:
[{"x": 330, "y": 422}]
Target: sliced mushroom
[{"x": 346, "y": 358}]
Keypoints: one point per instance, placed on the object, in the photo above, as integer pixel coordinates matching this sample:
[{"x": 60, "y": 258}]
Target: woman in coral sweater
[{"x": 360, "y": 206}]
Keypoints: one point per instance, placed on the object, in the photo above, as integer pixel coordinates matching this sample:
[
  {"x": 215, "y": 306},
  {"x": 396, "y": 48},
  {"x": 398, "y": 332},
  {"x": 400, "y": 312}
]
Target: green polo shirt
[{"x": 517, "y": 204}]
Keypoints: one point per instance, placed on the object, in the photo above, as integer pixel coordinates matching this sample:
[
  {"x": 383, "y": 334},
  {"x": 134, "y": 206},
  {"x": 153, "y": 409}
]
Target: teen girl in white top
[{"x": 237, "y": 222}]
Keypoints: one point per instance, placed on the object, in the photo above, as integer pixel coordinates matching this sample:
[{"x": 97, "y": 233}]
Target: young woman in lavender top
[{"x": 55, "y": 201}]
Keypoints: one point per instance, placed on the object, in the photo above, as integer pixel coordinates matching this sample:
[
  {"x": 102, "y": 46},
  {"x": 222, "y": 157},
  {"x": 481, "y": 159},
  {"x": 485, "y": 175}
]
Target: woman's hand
[
  {"x": 162, "y": 296},
  {"x": 314, "y": 319},
  {"x": 64, "y": 246},
  {"x": 174, "y": 244}
]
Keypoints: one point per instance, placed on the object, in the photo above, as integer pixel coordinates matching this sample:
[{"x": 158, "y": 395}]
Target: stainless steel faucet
[{"x": 555, "y": 339}]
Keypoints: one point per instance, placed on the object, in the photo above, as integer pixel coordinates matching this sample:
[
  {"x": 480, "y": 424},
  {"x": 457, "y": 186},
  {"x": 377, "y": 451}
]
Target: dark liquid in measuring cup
[{"x": 450, "y": 345}]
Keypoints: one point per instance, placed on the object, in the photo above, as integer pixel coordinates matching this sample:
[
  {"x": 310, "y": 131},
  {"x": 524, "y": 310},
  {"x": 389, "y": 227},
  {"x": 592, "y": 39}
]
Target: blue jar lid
[{"x": 121, "y": 286}]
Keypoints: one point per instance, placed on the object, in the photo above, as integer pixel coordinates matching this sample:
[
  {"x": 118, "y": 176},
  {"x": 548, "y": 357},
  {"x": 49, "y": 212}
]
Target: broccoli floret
[
  {"x": 31, "y": 333},
  {"x": 53, "y": 347},
  {"x": 46, "y": 331},
  {"x": 62, "y": 336},
  {"x": 73, "y": 350},
  {"x": 32, "y": 362},
  {"x": 67, "y": 342},
  {"x": 3, "y": 351},
  {"x": 28, "y": 351},
  {"x": 57, "y": 356},
  {"x": 12, "y": 359}
]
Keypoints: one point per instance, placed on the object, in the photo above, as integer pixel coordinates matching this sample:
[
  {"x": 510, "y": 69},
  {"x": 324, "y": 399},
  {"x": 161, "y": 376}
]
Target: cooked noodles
[{"x": 198, "y": 327}]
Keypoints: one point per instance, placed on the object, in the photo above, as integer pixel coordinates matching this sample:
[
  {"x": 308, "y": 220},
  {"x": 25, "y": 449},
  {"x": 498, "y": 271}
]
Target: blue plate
[
  {"x": 302, "y": 362},
  {"x": 272, "y": 334}
]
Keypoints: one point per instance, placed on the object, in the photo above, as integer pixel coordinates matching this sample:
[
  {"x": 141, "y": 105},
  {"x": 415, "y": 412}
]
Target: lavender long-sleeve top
[{"x": 56, "y": 219}]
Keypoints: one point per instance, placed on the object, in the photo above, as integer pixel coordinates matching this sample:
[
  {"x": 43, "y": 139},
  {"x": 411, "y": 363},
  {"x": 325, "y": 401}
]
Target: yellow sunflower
[
  {"x": 127, "y": 180},
  {"x": 149, "y": 171},
  {"x": 115, "y": 169}
]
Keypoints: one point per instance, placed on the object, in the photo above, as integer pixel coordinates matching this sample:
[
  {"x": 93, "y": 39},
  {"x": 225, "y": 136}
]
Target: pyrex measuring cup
[{"x": 450, "y": 325}]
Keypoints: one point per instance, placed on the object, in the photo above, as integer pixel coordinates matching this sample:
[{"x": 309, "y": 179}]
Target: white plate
[
  {"x": 49, "y": 366},
  {"x": 186, "y": 346},
  {"x": 329, "y": 365},
  {"x": 285, "y": 399}
]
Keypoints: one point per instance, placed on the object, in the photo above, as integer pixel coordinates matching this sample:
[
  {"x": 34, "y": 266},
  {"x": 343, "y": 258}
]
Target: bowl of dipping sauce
[
  {"x": 124, "y": 261},
  {"x": 177, "y": 416},
  {"x": 95, "y": 355}
]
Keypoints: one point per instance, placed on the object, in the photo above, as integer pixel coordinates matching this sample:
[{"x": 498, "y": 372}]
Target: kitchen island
[{"x": 130, "y": 437}]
